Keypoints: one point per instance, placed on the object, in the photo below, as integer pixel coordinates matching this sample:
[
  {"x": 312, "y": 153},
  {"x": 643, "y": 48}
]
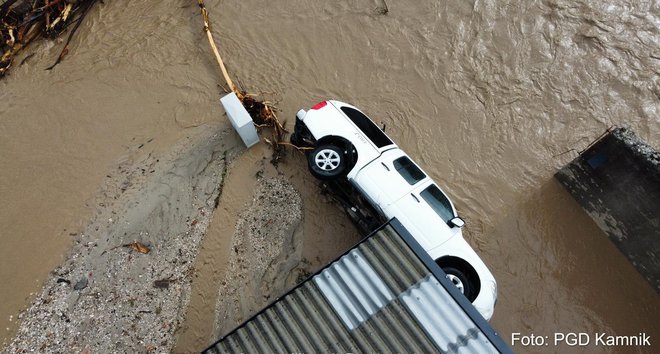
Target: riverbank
[
  {"x": 272, "y": 228},
  {"x": 111, "y": 296},
  {"x": 136, "y": 280},
  {"x": 136, "y": 81}
]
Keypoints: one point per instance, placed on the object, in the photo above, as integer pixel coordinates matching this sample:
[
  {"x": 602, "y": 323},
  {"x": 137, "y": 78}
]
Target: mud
[
  {"x": 491, "y": 98},
  {"x": 107, "y": 297},
  {"x": 230, "y": 269},
  {"x": 215, "y": 252},
  {"x": 267, "y": 247},
  {"x": 135, "y": 79}
]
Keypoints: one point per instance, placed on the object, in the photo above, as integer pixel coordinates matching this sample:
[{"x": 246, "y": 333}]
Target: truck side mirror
[{"x": 457, "y": 222}]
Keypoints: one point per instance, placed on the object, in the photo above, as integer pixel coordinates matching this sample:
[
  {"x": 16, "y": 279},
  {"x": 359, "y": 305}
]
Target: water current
[{"x": 490, "y": 97}]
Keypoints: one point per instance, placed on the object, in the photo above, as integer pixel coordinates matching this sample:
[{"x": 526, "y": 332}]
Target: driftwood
[
  {"x": 262, "y": 112},
  {"x": 22, "y": 21}
]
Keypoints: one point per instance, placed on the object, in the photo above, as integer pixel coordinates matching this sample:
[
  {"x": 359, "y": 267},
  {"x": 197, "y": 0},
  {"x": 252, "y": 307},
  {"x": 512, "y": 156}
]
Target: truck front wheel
[
  {"x": 462, "y": 275},
  {"x": 461, "y": 281},
  {"x": 327, "y": 162}
]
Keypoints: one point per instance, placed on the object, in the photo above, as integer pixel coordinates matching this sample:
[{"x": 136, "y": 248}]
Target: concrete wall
[{"x": 617, "y": 182}]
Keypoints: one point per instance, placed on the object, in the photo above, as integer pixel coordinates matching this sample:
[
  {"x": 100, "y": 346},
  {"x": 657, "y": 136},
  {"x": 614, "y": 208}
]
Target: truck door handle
[
  {"x": 414, "y": 196},
  {"x": 384, "y": 165}
]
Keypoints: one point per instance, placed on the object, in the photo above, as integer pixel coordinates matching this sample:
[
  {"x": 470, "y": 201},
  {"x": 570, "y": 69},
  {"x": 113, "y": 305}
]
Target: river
[{"x": 489, "y": 97}]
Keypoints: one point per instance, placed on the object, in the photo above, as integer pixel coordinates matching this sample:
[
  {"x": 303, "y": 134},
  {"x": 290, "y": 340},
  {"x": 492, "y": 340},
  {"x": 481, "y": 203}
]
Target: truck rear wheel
[{"x": 326, "y": 162}]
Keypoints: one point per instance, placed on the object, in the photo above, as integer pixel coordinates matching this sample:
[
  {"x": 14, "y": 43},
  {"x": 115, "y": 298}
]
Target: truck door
[
  {"x": 388, "y": 178},
  {"x": 425, "y": 211}
]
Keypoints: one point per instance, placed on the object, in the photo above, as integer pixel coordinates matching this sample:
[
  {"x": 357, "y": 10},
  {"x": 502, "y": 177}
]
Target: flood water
[{"x": 489, "y": 97}]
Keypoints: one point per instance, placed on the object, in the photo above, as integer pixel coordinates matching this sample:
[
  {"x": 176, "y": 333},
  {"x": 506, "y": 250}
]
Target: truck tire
[
  {"x": 462, "y": 282},
  {"x": 326, "y": 162}
]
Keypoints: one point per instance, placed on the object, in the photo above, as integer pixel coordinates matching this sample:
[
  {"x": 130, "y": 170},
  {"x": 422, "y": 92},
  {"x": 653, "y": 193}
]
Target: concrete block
[
  {"x": 240, "y": 119},
  {"x": 617, "y": 182}
]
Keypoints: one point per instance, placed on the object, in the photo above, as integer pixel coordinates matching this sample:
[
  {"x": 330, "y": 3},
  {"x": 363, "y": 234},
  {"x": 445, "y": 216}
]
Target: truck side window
[
  {"x": 367, "y": 127},
  {"x": 408, "y": 170},
  {"x": 438, "y": 202}
]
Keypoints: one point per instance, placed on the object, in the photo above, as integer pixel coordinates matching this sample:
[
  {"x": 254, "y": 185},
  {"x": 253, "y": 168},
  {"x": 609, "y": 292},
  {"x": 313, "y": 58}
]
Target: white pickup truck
[{"x": 347, "y": 144}]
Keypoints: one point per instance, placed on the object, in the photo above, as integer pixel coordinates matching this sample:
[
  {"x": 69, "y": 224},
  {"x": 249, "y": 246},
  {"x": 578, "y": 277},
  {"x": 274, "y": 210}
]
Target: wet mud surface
[
  {"x": 490, "y": 98},
  {"x": 125, "y": 286},
  {"x": 257, "y": 247}
]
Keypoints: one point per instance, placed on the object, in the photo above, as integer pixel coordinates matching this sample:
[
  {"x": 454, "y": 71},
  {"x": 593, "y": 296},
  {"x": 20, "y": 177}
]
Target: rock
[{"x": 81, "y": 284}]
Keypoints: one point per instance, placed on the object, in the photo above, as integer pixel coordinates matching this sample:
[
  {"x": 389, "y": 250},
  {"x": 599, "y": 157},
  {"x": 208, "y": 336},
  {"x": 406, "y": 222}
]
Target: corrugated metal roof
[
  {"x": 353, "y": 289},
  {"x": 382, "y": 296}
]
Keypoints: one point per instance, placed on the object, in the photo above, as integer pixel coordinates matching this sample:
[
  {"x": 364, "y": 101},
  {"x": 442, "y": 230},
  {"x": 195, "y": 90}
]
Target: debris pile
[
  {"x": 264, "y": 117},
  {"x": 22, "y": 21}
]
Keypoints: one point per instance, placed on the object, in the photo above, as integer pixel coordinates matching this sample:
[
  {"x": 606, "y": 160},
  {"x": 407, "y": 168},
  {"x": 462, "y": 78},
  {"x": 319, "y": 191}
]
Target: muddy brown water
[{"x": 490, "y": 97}]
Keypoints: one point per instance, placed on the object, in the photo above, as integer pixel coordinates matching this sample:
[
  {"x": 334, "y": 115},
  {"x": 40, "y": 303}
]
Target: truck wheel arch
[{"x": 349, "y": 150}]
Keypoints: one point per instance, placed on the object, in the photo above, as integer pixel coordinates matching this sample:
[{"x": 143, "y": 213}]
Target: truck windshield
[
  {"x": 411, "y": 173},
  {"x": 438, "y": 202}
]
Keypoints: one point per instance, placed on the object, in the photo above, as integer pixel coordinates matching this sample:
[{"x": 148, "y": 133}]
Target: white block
[{"x": 240, "y": 119}]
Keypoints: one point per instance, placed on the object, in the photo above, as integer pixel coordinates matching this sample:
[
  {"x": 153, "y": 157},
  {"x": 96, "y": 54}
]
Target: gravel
[{"x": 108, "y": 297}]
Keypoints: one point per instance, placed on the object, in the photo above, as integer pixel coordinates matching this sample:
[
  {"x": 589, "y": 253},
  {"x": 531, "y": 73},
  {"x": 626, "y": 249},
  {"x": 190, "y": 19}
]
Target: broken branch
[{"x": 214, "y": 48}]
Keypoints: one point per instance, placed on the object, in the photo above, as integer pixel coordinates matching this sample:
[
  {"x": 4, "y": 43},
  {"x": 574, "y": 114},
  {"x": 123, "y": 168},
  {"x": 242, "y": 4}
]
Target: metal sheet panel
[
  {"x": 380, "y": 297},
  {"x": 353, "y": 289},
  {"x": 451, "y": 330}
]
